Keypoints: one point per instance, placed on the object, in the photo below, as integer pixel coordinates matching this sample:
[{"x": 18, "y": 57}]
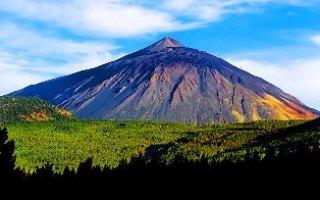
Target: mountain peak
[
  {"x": 164, "y": 43},
  {"x": 168, "y": 82}
]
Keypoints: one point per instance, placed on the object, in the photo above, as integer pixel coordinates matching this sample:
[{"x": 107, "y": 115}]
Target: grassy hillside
[
  {"x": 67, "y": 143},
  {"x": 14, "y": 109}
]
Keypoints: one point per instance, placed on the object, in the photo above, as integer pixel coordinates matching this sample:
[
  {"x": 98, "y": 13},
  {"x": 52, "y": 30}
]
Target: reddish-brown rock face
[{"x": 167, "y": 81}]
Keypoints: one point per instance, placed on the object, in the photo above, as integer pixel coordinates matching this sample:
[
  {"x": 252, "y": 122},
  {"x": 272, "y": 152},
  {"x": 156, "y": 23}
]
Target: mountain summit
[
  {"x": 167, "y": 81},
  {"x": 166, "y": 42}
]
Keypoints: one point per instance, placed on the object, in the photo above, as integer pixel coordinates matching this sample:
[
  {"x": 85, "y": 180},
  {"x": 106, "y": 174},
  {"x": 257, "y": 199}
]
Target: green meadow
[{"x": 67, "y": 143}]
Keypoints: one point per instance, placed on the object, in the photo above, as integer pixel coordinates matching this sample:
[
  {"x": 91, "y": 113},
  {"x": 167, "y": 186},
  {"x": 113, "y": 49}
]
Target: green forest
[
  {"x": 64, "y": 144},
  {"x": 45, "y": 136}
]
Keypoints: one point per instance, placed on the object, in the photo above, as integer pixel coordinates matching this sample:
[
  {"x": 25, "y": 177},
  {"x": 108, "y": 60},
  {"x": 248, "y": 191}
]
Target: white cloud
[
  {"x": 299, "y": 77},
  {"x": 207, "y": 10},
  {"x": 125, "y": 18},
  {"x": 12, "y": 76},
  {"x": 33, "y": 43},
  {"x": 316, "y": 39},
  {"x": 27, "y": 57},
  {"x": 213, "y": 10},
  {"x": 114, "y": 18}
]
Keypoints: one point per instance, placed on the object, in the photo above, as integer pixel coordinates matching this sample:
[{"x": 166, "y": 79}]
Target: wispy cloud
[
  {"x": 315, "y": 39},
  {"x": 127, "y": 18},
  {"x": 12, "y": 75},
  {"x": 28, "y": 57},
  {"x": 112, "y": 18},
  {"x": 33, "y": 43},
  {"x": 212, "y": 10}
]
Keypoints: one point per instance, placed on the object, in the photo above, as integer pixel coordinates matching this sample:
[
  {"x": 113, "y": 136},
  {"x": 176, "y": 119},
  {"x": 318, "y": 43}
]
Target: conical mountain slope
[{"x": 167, "y": 81}]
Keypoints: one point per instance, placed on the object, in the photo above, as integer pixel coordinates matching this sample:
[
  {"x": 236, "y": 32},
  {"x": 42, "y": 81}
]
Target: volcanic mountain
[{"x": 170, "y": 82}]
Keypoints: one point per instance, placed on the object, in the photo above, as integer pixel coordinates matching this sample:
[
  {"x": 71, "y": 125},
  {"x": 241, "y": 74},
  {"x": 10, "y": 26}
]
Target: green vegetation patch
[
  {"x": 67, "y": 143},
  {"x": 15, "y": 109}
]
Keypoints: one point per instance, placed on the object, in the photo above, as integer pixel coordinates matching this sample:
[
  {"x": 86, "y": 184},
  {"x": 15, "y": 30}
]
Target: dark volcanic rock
[{"x": 170, "y": 82}]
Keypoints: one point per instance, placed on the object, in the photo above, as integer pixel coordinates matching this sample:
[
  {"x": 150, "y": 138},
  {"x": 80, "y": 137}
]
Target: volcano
[{"x": 170, "y": 82}]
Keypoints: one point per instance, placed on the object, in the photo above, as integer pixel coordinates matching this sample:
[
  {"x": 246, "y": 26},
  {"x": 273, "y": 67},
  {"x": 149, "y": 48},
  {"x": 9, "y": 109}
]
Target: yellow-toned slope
[
  {"x": 286, "y": 112},
  {"x": 239, "y": 117}
]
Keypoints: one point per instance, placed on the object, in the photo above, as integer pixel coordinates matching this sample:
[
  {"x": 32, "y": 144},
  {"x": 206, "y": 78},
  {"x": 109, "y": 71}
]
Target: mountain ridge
[{"x": 168, "y": 81}]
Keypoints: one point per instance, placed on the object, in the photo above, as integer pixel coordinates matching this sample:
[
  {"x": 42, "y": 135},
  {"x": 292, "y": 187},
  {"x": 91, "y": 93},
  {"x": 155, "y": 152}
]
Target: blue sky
[{"x": 278, "y": 40}]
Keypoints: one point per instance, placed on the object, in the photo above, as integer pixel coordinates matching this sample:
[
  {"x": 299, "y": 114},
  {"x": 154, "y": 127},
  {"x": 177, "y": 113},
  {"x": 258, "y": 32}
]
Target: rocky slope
[{"x": 170, "y": 82}]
